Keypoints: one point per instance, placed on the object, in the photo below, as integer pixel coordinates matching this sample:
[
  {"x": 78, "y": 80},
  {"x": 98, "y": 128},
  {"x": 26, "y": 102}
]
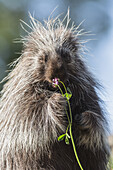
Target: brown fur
[{"x": 32, "y": 112}]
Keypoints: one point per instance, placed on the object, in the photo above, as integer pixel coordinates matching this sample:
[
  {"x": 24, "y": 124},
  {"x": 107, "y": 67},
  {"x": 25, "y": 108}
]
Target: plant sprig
[{"x": 68, "y": 135}]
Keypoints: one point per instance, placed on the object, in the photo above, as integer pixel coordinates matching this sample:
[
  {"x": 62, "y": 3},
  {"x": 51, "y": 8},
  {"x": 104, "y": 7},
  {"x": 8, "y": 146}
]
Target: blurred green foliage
[{"x": 9, "y": 30}]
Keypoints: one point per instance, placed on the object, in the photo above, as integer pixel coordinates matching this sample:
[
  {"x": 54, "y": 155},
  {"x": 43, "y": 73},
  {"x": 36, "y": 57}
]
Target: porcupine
[{"x": 32, "y": 112}]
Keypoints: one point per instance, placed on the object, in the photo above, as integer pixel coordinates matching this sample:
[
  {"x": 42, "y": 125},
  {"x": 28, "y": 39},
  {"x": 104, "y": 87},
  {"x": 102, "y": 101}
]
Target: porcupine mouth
[
  {"x": 50, "y": 87},
  {"x": 47, "y": 84}
]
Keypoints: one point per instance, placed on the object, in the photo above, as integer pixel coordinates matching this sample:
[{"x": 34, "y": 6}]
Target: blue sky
[{"x": 104, "y": 66}]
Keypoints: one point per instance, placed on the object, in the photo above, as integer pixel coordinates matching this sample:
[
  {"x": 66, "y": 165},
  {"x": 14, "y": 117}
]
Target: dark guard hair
[{"x": 32, "y": 112}]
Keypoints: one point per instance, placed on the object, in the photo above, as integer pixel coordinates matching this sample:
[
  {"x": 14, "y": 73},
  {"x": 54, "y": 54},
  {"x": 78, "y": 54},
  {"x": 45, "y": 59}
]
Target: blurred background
[{"x": 98, "y": 16}]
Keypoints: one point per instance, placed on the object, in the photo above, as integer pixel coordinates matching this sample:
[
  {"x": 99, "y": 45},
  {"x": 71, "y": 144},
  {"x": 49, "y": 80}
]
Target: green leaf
[
  {"x": 69, "y": 90},
  {"x": 67, "y": 140},
  {"x": 61, "y": 137},
  {"x": 68, "y": 96}
]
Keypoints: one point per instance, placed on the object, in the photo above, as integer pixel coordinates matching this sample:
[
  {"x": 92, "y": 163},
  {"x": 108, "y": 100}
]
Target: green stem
[
  {"x": 60, "y": 89},
  {"x": 72, "y": 140},
  {"x": 65, "y": 109},
  {"x": 70, "y": 111},
  {"x": 70, "y": 125},
  {"x": 67, "y": 116},
  {"x": 67, "y": 127},
  {"x": 63, "y": 85},
  {"x": 74, "y": 148},
  {"x": 67, "y": 101}
]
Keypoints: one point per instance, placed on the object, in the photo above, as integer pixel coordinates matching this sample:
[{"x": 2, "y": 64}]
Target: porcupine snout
[{"x": 55, "y": 68}]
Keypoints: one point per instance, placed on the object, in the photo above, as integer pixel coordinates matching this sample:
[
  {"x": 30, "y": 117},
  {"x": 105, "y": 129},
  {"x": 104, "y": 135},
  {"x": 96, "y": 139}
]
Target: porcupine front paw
[{"x": 59, "y": 100}]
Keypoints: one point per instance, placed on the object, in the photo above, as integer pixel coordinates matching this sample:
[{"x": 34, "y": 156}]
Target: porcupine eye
[{"x": 46, "y": 58}]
